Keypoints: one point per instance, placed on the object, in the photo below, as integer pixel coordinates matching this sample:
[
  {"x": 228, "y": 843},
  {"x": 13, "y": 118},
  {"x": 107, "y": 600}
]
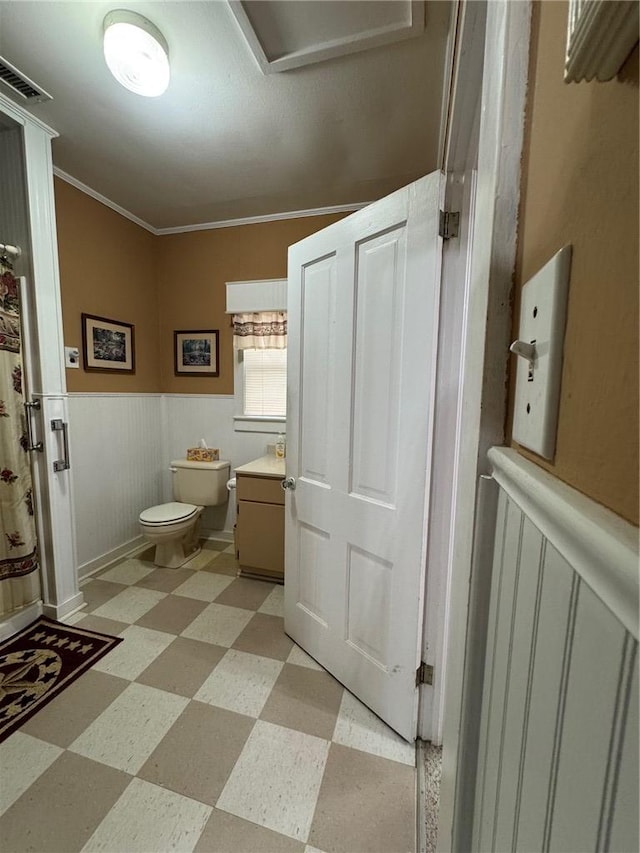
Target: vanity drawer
[{"x": 262, "y": 489}]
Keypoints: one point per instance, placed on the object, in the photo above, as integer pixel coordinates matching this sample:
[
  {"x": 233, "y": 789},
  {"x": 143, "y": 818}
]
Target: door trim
[
  {"x": 482, "y": 400},
  {"x": 55, "y": 528}
]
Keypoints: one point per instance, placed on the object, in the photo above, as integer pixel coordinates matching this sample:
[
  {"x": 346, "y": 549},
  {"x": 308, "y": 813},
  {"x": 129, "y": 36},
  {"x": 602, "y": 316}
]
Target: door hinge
[
  {"x": 424, "y": 674},
  {"x": 449, "y": 224}
]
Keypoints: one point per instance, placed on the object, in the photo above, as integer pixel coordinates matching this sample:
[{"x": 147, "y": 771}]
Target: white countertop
[{"x": 265, "y": 466}]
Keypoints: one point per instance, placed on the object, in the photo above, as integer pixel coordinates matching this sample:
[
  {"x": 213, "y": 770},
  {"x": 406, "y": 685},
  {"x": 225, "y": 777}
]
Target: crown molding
[
  {"x": 69, "y": 179},
  {"x": 205, "y": 226},
  {"x": 269, "y": 217}
]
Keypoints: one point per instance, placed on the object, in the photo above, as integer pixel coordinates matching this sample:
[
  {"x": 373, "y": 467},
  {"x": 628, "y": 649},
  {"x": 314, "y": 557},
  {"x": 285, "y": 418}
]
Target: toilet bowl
[{"x": 173, "y": 527}]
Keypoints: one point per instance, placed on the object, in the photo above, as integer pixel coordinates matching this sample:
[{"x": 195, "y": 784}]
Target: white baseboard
[
  {"x": 136, "y": 546},
  {"x": 19, "y": 620},
  {"x": 129, "y": 549},
  {"x": 66, "y": 608}
]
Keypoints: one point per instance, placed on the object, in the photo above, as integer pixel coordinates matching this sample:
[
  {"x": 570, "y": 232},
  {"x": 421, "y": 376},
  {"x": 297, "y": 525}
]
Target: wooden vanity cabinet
[{"x": 260, "y": 525}]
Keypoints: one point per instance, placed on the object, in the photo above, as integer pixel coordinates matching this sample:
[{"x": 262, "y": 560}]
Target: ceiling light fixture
[{"x": 136, "y": 52}]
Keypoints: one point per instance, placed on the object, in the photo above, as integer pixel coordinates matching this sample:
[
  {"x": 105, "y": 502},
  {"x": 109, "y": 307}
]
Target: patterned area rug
[{"x": 39, "y": 662}]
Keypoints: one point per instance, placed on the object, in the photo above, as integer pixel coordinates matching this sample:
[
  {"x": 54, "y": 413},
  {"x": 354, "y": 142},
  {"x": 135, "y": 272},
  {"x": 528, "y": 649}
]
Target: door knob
[{"x": 288, "y": 483}]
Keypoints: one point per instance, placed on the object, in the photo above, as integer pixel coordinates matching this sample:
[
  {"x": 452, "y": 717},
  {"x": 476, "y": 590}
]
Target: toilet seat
[{"x": 163, "y": 515}]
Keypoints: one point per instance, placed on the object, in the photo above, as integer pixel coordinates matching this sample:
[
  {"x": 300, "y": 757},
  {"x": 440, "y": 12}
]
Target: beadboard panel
[
  {"x": 188, "y": 418},
  {"x": 557, "y": 762},
  {"x": 116, "y": 463},
  {"x": 121, "y": 449}
]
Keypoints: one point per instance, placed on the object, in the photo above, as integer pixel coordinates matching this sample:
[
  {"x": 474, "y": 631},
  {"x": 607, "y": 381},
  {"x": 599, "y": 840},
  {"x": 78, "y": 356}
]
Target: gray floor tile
[
  {"x": 223, "y": 563},
  {"x": 366, "y": 805},
  {"x": 305, "y": 700},
  {"x": 62, "y": 808},
  {"x": 69, "y": 714},
  {"x": 245, "y": 593},
  {"x": 264, "y": 635},
  {"x": 173, "y": 614},
  {"x": 97, "y": 592},
  {"x": 225, "y": 833},
  {"x": 165, "y": 580},
  {"x": 101, "y": 625},
  {"x": 198, "y": 752},
  {"x": 182, "y": 667}
]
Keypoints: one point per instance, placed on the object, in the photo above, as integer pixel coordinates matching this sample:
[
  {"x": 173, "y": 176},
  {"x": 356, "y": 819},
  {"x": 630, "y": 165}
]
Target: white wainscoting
[
  {"x": 116, "y": 462},
  {"x": 188, "y": 418},
  {"x": 558, "y": 753},
  {"x": 121, "y": 446}
]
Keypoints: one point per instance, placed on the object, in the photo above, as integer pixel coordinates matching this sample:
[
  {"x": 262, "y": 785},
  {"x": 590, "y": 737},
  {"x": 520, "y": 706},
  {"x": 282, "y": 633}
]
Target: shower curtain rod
[{"x": 6, "y": 249}]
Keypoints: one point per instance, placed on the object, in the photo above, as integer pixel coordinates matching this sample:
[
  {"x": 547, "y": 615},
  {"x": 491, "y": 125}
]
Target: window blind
[{"x": 265, "y": 382}]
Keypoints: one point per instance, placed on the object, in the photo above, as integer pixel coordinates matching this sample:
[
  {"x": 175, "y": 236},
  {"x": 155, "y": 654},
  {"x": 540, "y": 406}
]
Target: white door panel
[{"x": 363, "y": 309}]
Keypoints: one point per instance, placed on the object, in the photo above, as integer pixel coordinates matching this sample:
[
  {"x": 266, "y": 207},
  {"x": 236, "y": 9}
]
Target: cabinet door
[{"x": 261, "y": 536}]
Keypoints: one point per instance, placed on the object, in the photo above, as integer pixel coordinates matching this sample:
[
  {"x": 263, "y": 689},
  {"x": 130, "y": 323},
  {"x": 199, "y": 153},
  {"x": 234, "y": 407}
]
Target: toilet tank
[{"x": 200, "y": 483}]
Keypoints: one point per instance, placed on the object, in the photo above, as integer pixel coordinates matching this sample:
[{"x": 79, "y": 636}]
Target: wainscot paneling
[
  {"x": 557, "y": 758},
  {"x": 188, "y": 418},
  {"x": 116, "y": 461}
]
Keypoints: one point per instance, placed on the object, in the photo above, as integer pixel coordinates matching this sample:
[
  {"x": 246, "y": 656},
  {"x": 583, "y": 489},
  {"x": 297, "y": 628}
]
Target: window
[{"x": 265, "y": 383}]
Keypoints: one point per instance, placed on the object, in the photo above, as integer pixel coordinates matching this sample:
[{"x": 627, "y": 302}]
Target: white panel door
[{"x": 362, "y": 325}]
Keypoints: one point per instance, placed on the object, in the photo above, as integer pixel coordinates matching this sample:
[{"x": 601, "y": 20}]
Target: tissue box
[{"x": 203, "y": 454}]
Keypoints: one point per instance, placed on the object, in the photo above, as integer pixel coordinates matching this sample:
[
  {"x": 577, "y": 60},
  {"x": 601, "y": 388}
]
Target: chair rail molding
[{"x": 600, "y": 36}]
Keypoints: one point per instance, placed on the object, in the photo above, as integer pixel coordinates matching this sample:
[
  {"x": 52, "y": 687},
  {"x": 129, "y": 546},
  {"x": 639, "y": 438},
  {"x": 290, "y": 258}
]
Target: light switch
[
  {"x": 538, "y": 350},
  {"x": 71, "y": 357}
]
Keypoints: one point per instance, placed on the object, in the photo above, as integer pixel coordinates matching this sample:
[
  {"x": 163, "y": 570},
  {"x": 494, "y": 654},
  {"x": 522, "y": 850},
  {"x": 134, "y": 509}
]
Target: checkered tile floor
[{"x": 208, "y": 729}]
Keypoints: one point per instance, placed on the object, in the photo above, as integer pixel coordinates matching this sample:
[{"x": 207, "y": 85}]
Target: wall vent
[{"x": 20, "y": 85}]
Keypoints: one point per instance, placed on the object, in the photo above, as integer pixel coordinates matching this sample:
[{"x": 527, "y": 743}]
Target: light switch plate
[
  {"x": 71, "y": 357},
  {"x": 543, "y": 314}
]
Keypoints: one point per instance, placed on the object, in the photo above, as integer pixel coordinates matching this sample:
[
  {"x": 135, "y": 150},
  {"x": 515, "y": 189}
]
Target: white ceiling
[{"x": 227, "y": 140}]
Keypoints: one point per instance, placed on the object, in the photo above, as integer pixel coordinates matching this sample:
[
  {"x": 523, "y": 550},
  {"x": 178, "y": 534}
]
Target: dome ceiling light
[{"x": 136, "y": 52}]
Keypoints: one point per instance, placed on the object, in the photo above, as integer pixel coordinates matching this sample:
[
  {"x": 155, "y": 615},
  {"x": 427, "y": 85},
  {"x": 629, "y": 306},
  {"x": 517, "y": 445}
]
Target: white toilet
[{"x": 173, "y": 527}]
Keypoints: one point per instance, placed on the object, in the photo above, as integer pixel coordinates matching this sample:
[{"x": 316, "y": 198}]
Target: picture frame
[
  {"x": 108, "y": 346},
  {"x": 196, "y": 352}
]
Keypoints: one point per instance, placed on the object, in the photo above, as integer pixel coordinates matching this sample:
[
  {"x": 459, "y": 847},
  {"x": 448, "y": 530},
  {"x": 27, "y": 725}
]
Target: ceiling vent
[{"x": 20, "y": 85}]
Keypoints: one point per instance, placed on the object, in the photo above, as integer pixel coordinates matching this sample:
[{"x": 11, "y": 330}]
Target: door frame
[
  {"x": 39, "y": 262},
  {"x": 492, "y": 151}
]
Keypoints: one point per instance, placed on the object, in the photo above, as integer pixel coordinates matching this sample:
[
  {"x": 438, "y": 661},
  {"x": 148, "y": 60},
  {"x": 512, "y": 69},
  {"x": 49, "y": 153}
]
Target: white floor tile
[
  {"x": 301, "y": 658},
  {"x": 128, "y": 572},
  {"x": 204, "y": 586},
  {"x": 273, "y": 604},
  {"x": 127, "y": 732},
  {"x": 22, "y": 760},
  {"x": 276, "y": 781},
  {"x": 219, "y": 624},
  {"x": 140, "y": 647},
  {"x": 130, "y": 604},
  {"x": 241, "y": 682},
  {"x": 359, "y": 728},
  {"x": 147, "y": 818}
]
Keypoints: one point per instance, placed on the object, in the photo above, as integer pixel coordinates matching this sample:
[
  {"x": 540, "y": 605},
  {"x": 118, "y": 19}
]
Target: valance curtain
[
  {"x": 260, "y": 330},
  {"x": 19, "y": 576}
]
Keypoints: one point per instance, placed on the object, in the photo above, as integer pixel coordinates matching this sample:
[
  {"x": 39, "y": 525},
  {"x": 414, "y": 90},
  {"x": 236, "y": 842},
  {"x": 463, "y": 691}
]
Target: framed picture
[
  {"x": 196, "y": 352},
  {"x": 107, "y": 345}
]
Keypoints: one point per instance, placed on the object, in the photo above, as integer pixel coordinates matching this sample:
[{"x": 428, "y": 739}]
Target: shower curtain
[{"x": 19, "y": 574}]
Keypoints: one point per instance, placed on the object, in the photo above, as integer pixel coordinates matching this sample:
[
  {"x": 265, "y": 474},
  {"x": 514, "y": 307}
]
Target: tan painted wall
[
  {"x": 107, "y": 268},
  {"x": 112, "y": 268},
  {"x": 580, "y": 186},
  {"x": 193, "y": 270}
]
